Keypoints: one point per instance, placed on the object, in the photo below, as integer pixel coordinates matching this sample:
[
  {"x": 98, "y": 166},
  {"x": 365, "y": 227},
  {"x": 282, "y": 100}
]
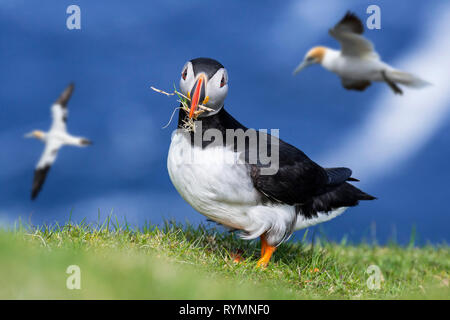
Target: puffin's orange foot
[
  {"x": 237, "y": 256},
  {"x": 266, "y": 253},
  {"x": 261, "y": 264},
  {"x": 263, "y": 245}
]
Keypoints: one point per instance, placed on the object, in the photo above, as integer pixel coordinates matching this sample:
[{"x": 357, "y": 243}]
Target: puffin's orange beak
[{"x": 199, "y": 94}]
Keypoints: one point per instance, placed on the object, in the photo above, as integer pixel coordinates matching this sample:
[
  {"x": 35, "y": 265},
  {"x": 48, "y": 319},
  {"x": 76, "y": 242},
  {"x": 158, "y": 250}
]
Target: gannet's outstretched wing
[
  {"x": 59, "y": 110},
  {"x": 349, "y": 32},
  {"x": 47, "y": 159}
]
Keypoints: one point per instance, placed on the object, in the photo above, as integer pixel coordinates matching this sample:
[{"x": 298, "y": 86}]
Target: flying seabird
[
  {"x": 54, "y": 139},
  {"x": 357, "y": 63},
  {"x": 219, "y": 179}
]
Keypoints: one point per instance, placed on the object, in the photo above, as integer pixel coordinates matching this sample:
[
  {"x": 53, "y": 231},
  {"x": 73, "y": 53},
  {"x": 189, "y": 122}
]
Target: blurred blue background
[{"x": 397, "y": 145}]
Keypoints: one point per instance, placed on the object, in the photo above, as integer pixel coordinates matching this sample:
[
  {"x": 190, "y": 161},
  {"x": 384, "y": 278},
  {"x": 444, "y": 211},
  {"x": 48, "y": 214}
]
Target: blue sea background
[{"x": 397, "y": 145}]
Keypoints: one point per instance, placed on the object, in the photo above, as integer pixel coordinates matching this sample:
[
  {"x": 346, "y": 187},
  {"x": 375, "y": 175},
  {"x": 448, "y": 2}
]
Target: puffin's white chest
[{"x": 211, "y": 181}]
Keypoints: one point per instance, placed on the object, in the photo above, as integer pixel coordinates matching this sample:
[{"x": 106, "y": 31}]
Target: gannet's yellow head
[
  {"x": 38, "y": 134},
  {"x": 315, "y": 55}
]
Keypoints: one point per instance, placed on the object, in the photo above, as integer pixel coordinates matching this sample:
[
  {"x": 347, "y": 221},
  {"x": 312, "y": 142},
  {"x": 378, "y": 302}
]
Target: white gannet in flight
[
  {"x": 357, "y": 63},
  {"x": 54, "y": 139}
]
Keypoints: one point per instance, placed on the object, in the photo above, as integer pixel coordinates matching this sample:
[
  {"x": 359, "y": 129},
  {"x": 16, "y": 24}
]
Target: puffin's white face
[{"x": 204, "y": 83}]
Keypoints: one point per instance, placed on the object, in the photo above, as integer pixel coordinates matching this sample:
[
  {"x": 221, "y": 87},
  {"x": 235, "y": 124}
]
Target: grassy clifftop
[{"x": 178, "y": 262}]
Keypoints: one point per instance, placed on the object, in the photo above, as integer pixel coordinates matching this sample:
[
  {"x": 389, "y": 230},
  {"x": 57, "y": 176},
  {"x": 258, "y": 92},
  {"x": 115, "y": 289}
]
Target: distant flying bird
[
  {"x": 357, "y": 63},
  {"x": 238, "y": 194},
  {"x": 54, "y": 139}
]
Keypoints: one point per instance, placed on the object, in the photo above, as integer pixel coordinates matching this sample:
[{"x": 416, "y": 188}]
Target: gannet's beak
[
  {"x": 29, "y": 135},
  {"x": 198, "y": 94},
  {"x": 301, "y": 66}
]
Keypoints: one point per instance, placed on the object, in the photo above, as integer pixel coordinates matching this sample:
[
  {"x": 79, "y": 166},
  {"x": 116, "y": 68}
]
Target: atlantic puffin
[
  {"x": 219, "y": 179},
  {"x": 357, "y": 63},
  {"x": 54, "y": 139}
]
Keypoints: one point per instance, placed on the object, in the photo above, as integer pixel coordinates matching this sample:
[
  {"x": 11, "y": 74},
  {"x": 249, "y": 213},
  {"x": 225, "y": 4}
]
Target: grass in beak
[{"x": 189, "y": 124}]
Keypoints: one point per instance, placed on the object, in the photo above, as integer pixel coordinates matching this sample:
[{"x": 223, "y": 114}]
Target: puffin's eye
[
  {"x": 184, "y": 74},
  {"x": 222, "y": 82}
]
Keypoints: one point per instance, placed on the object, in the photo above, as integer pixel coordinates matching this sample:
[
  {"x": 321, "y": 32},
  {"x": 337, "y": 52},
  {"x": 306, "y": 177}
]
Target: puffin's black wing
[
  {"x": 298, "y": 178},
  {"x": 338, "y": 175}
]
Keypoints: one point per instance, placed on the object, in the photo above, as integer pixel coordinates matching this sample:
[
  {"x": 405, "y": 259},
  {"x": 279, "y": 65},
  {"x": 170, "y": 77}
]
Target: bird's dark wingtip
[
  {"x": 350, "y": 15},
  {"x": 86, "y": 142},
  {"x": 352, "y": 21},
  {"x": 367, "y": 196},
  {"x": 63, "y": 99}
]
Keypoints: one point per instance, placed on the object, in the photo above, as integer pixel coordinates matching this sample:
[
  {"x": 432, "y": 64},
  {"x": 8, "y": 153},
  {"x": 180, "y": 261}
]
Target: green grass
[{"x": 187, "y": 262}]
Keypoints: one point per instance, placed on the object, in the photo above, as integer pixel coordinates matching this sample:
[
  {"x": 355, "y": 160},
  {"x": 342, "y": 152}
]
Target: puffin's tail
[
  {"x": 406, "y": 78},
  {"x": 344, "y": 195}
]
